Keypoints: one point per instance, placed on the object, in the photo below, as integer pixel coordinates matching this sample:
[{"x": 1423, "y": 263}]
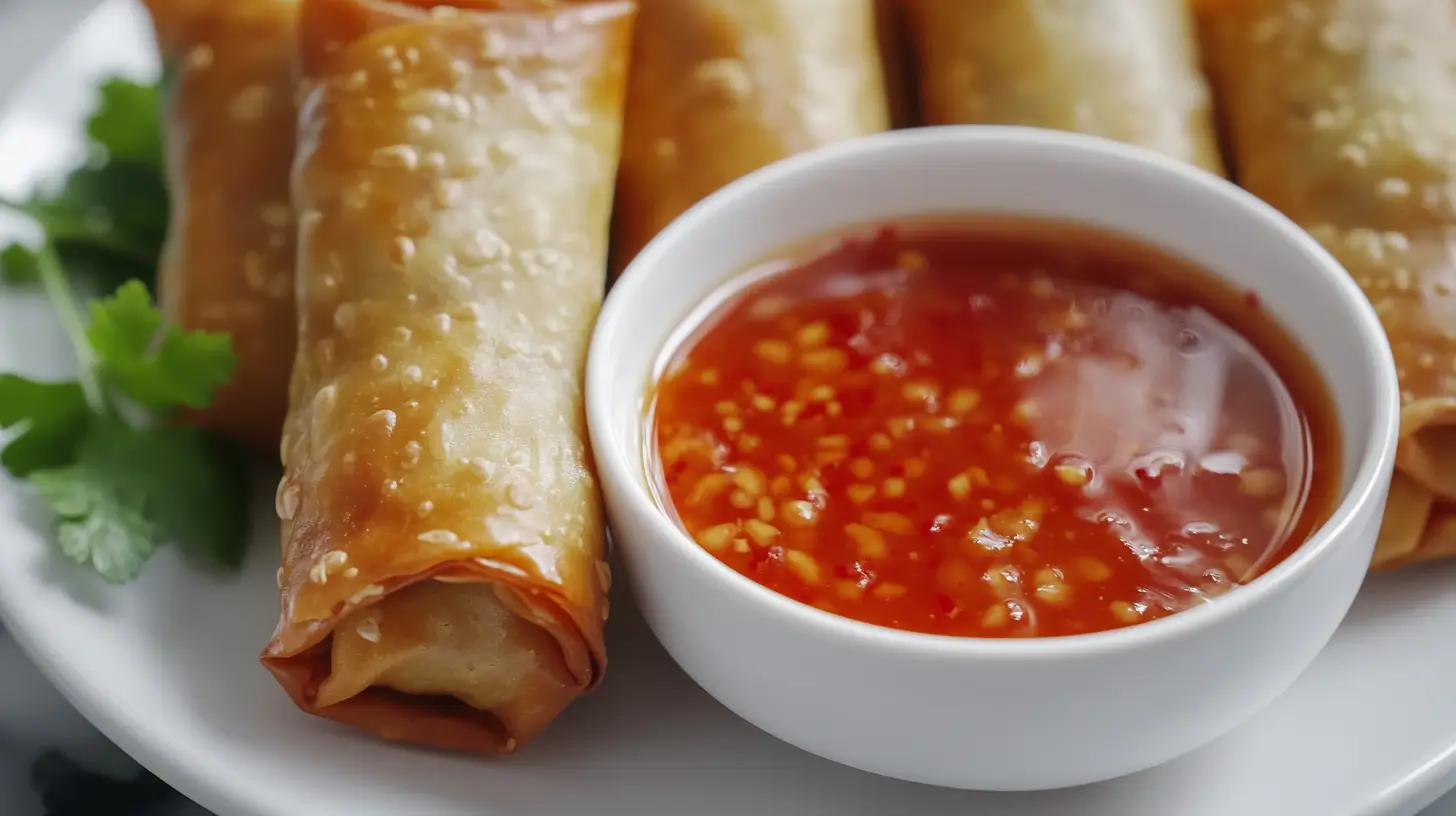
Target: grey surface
[
  {"x": 28, "y": 28},
  {"x": 33, "y": 717}
]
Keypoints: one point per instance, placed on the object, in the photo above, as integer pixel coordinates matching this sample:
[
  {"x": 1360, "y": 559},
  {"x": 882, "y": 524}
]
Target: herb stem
[{"x": 68, "y": 311}]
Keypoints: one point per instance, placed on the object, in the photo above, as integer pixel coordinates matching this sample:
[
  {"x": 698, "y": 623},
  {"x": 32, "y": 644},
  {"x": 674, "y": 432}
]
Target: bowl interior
[{"x": 1004, "y": 171}]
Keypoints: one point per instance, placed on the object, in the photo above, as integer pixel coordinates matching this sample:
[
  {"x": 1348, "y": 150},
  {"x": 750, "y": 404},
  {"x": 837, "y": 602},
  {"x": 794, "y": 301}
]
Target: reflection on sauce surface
[{"x": 993, "y": 428}]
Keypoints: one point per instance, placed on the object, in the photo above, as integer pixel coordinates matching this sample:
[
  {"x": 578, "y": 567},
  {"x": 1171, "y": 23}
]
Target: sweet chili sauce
[{"x": 994, "y": 428}]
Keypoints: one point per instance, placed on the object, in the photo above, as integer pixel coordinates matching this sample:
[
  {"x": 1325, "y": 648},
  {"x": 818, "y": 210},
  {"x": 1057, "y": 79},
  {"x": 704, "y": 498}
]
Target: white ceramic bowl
[{"x": 984, "y": 713}]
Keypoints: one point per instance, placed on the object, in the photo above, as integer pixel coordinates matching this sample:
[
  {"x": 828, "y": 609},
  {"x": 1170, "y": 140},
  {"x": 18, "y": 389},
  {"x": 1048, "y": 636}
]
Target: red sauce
[{"x": 993, "y": 428}]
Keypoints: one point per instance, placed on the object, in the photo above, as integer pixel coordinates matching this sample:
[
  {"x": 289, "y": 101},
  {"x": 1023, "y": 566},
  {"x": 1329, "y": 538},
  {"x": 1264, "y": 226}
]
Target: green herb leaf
[
  {"x": 119, "y": 207},
  {"x": 156, "y": 366},
  {"x": 100, "y": 522},
  {"x": 18, "y": 264},
  {"x": 197, "y": 490},
  {"x": 51, "y": 417},
  {"x": 120, "y": 491},
  {"x": 108, "y": 221},
  {"x": 131, "y": 489},
  {"x": 98, "y": 270},
  {"x": 127, "y": 121}
]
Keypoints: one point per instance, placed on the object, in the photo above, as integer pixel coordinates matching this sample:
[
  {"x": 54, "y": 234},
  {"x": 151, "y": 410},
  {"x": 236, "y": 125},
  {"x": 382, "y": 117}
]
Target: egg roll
[
  {"x": 443, "y": 578},
  {"x": 897, "y": 53},
  {"x": 1343, "y": 116},
  {"x": 720, "y": 88},
  {"x": 1120, "y": 69},
  {"x": 227, "y": 265}
]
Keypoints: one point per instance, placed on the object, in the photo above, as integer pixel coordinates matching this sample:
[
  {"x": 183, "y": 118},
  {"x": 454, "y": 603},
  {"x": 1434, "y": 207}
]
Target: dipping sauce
[{"x": 994, "y": 428}]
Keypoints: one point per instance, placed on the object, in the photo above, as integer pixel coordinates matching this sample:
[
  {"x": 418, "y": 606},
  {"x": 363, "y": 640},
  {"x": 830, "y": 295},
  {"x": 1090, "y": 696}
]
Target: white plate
[{"x": 168, "y": 667}]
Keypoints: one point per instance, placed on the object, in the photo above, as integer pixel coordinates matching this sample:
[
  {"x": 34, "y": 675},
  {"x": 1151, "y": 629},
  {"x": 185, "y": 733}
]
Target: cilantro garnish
[
  {"x": 100, "y": 450},
  {"x": 54, "y": 416},
  {"x": 108, "y": 220},
  {"x": 155, "y": 364},
  {"x": 18, "y": 265},
  {"x": 99, "y": 520},
  {"x": 127, "y": 121}
]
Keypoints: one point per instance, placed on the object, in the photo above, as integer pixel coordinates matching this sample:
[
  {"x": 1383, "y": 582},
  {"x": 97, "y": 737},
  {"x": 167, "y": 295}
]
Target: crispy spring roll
[
  {"x": 443, "y": 577},
  {"x": 1121, "y": 69},
  {"x": 720, "y": 88},
  {"x": 227, "y": 266},
  {"x": 897, "y": 52},
  {"x": 1343, "y": 115}
]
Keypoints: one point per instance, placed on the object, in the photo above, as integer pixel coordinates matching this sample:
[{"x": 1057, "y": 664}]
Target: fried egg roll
[
  {"x": 1121, "y": 69},
  {"x": 897, "y": 52},
  {"x": 227, "y": 265},
  {"x": 1343, "y": 116},
  {"x": 720, "y": 88},
  {"x": 443, "y": 577}
]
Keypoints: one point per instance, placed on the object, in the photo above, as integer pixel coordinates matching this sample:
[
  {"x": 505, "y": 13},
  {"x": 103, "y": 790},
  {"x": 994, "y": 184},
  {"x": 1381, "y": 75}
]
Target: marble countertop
[{"x": 52, "y": 762}]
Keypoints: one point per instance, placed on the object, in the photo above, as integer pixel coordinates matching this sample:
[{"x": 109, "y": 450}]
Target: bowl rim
[{"x": 628, "y": 297}]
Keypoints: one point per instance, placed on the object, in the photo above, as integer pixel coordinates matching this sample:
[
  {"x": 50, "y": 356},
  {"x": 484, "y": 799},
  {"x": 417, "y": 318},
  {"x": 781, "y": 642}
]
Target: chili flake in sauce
[{"x": 993, "y": 428}]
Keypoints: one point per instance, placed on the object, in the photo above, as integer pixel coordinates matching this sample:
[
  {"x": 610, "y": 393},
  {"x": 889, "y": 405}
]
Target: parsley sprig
[{"x": 101, "y": 450}]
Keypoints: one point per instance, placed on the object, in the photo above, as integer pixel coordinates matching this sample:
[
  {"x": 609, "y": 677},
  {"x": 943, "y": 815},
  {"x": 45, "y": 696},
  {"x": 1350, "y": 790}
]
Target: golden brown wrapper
[
  {"x": 228, "y": 262},
  {"x": 1121, "y": 69},
  {"x": 720, "y": 88},
  {"x": 1403, "y": 530},
  {"x": 1343, "y": 115},
  {"x": 897, "y": 53},
  {"x": 443, "y": 577}
]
